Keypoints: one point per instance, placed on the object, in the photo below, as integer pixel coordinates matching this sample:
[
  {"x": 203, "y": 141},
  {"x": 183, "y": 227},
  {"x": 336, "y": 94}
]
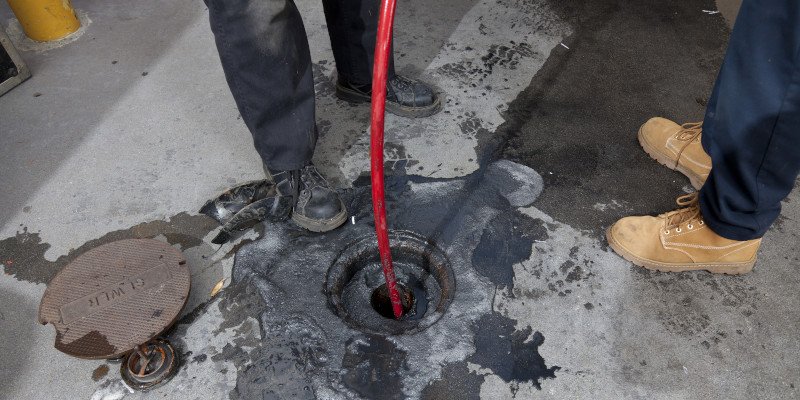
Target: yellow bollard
[{"x": 45, "y": 20}]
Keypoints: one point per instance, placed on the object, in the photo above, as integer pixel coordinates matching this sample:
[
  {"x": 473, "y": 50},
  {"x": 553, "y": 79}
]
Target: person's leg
[
  {"x": 353, "y": 27},
  {"x": 750, "y": 132},
  {"x": 266, "y": 60},
  {"x": 752, "y": 124},
  {"x": 265, "y": 56}
]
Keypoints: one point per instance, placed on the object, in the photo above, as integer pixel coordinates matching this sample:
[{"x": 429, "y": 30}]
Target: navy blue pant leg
[
  {"x": 353, "y": 28},
  {"x": 266, "y": 59},
  {"x": 752, "y": 124},
  {"x": 265, "y": 56}
]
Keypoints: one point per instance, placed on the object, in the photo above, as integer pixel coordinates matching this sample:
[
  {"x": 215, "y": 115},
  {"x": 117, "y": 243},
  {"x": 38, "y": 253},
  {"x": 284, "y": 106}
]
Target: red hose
[{"x": 379, "y": 72}]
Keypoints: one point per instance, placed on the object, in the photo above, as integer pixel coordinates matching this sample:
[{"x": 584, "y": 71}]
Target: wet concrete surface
[
  {"x": 532, "y": 157},
  {"x": 451, "y": 213},
  {"x": 579, "y": 131}
]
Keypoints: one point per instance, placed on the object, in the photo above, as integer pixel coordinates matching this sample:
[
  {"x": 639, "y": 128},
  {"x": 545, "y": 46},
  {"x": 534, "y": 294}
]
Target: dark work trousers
[
  {"x": 265, "y": 56},
  {"x": 752, "y": 124}
]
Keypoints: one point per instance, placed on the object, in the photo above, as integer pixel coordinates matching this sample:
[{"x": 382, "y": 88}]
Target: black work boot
[
  {"x": 317, "y": 207},
  {"x": 404, "y": 97}
]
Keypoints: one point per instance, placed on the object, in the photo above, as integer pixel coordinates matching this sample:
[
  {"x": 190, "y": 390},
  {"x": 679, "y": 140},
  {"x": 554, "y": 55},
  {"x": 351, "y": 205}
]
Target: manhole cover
[
  {"x": 115, "y": 297},
  {"x": 356, "y": 287}
]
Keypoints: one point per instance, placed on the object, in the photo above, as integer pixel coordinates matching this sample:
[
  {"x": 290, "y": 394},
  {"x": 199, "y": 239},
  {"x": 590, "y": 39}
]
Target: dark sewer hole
[
  {"x": 356, "y": 287},
  {"x": 414, "y": 301}
]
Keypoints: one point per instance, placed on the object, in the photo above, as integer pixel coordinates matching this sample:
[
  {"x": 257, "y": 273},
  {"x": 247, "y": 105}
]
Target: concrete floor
[{"x": 128, "y": 127}]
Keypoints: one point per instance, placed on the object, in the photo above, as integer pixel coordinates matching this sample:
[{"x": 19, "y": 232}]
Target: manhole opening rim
[{"x": 405, "y": 244}]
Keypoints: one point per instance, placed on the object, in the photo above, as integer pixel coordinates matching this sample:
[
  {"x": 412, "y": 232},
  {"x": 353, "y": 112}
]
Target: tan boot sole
[
  {"x": 715, "y": 268},
  {"x": 669, "y": 162}
]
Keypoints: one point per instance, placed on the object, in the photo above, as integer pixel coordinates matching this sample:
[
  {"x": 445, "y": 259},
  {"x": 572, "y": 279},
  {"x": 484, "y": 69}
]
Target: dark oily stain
[
  {"x": 528, "y": 364},
  {"x": 282, "y": 361},
  {"x": 273, "y": 377},
  {"x": 507, "y": 240},
  {"x": 100, "y": 372},
  {"x": 23, "y": 258},
  {"x": 282, "y": 367},
  {"x": 23, "y": 254},
  {"x": 240, "y": 301},
  {"x": 452, "y": 213},
  {"x": 230, "y": 353},
  {"x": 373, "y": 367},
  {"x": 93, "y": 344},
  {"x": 236, "y": 303},
  {"x": 200, "y": 359},
  {"x": 511, "y": 355},
  {"x": 456, "y": 383}
]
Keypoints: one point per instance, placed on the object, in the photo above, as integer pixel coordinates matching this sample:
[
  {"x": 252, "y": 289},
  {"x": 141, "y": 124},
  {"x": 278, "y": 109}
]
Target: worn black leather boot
[
  {"x": 404, "y": 97},
  {"x": 317, "y": 207}
]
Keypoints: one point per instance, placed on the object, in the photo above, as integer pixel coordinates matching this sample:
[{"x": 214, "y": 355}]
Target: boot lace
[
  {"x": 689, "y": 133},
  {"x": 689, "y": 214},
  {"x": 400, "y": 82}
]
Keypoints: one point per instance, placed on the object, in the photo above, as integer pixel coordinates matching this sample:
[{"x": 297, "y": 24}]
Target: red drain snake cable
[{"x": 379, "y": 72}]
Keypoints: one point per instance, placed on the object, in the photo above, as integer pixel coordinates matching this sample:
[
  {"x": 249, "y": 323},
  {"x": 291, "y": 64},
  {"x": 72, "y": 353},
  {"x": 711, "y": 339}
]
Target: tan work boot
[
  {"x": 680, "y": 241},
  {"x": 678, "y": 147}
]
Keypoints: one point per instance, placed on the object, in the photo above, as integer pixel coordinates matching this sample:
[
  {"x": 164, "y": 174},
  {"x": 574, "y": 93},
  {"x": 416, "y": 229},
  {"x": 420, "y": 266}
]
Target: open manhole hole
[{"x": 357, "y": 291}]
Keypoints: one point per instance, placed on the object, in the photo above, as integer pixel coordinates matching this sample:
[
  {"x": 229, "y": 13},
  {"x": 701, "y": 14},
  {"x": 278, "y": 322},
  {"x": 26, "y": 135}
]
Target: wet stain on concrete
[
  {"x": 506, "y": 241},
  {"x": 200, "y": 358},
  {"x": 519, "y": 359},
  {"x": 562, "y": 280},
  {"x": 282, "y": 367},
  {"x": 373, "y": 367},
  {"x": 278, "y": 361},
  {"x": 474, "y": 220},
  {"x": 456, "y": 383},
  {"x": 100, "y": 372},
  {"x": 23, "y": 255}
]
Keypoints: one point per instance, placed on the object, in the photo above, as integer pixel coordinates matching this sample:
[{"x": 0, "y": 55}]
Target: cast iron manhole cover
[{"x": 115, "y": 297}]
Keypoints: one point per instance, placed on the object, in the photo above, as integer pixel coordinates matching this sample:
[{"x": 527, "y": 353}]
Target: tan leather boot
[
  {"x": 680, "y": 241},
  {"x": 678, "y": 147}
]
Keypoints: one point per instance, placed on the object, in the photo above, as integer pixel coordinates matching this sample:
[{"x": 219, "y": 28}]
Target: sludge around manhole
[{"x": 420, "y": 267}]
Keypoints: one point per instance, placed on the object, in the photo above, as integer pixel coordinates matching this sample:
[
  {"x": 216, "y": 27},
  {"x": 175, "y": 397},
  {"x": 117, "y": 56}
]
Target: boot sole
[
  {"x": 316, "y": 225},
  {"x": 353, "y": 97},
  {"x": 714, "y": 268},
  {"x": 669, "y": 162}
]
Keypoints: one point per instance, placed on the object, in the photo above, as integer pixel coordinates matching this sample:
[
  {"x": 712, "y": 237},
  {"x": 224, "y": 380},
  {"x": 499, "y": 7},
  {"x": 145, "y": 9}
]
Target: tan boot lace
[
  {"x": 691, "y": 212},
  {"x": 689, "y": 133}
]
